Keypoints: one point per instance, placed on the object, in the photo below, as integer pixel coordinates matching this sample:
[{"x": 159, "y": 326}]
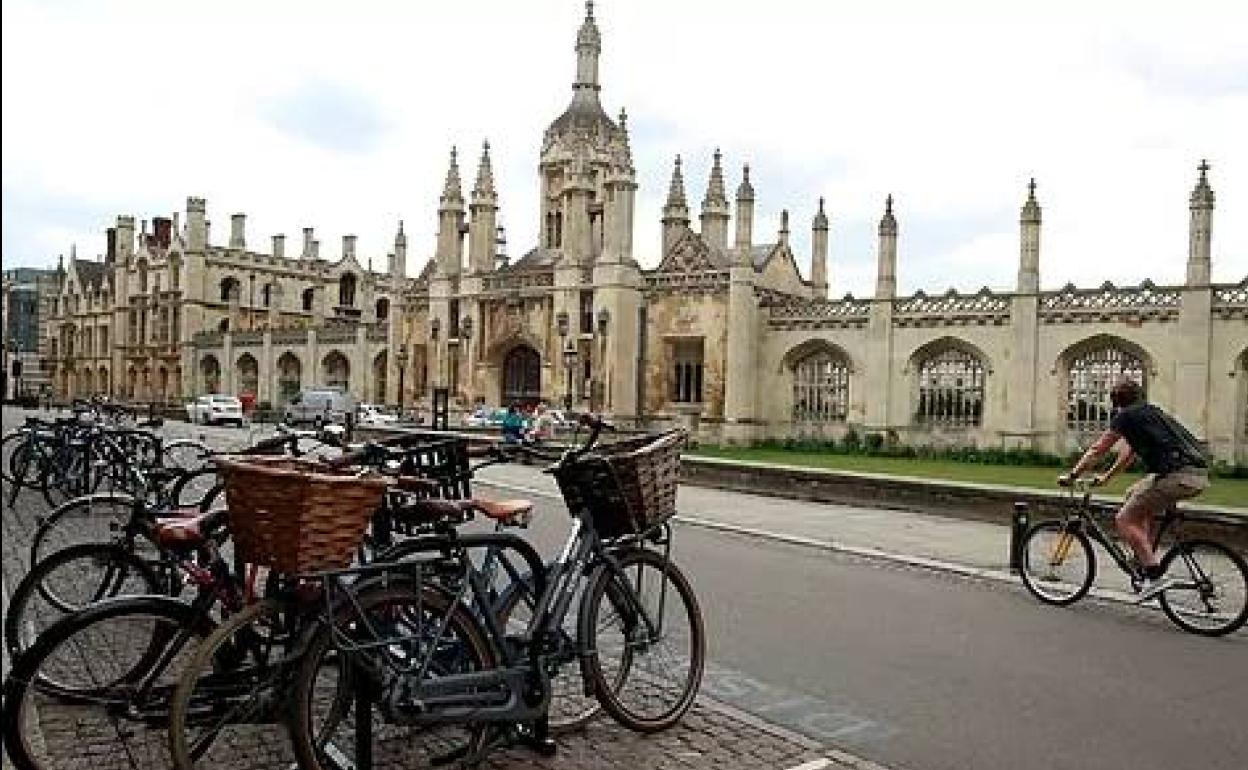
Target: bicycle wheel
[
  {"x": 88, "y": 519},
  {"x": 70, "y": 580},
  {"x": 571, "y": 706},
  {"x": 643, "y": 626},
  {"x": 225, "y": 708},
  {"x": 425, "y": 628},
  {"x": 74, "y": 699},
  {"x": 1210, "y": 597},
  {"x": 1058, "y": 566},
  {"x": 14, "y": 451},
  {"x": 186, "y": 454}
]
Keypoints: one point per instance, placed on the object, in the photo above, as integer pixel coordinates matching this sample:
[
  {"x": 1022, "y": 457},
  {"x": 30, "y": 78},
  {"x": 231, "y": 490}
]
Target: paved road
[{"x": 931, "y": 671}]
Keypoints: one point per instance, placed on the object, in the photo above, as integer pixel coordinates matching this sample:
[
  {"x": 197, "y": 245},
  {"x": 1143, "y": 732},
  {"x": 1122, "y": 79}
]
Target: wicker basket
[
  {"x": 626, "y": 488},
  {"x": 297, "y": 516}
]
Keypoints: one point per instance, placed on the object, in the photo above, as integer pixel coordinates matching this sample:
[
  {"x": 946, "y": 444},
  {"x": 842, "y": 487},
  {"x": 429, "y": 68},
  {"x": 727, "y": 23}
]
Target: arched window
[
  {"x": 1092, "y": 375},
  {"x": 821, "y": 388},
  {"x": 289, "y": 374},
  {"x": 335, "y": 370},
  {"x": 346, "y": 290},
  {"x": 209, "y": 369},
  {"x": 248, "y": 373},
  {"x": 309, "y": 294},
  {"x": 266, "y": 295},
  {"x": 383, "y": 308},
  {"x": 229, "y": 288},
  {"x": 951, "y": 389}
]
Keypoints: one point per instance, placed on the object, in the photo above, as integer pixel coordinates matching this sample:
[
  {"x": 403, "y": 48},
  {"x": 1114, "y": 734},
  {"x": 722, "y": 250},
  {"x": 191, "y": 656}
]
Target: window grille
[
  {"x": 1092, "y": 376},
  {"x": 951, "y": 390},
  {"x": 821, "y": 389}
]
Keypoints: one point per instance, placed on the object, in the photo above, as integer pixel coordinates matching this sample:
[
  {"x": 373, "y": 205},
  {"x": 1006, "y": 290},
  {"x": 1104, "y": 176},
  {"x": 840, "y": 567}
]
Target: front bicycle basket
[{"x": 626, "y": 488}]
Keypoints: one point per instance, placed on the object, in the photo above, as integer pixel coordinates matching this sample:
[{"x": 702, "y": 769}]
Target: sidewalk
[{"x": 973, "y": 548}]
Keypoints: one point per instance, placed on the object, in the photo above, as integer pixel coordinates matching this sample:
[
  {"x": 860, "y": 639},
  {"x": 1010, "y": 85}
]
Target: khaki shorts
[{"x": 1153, "y": 494}]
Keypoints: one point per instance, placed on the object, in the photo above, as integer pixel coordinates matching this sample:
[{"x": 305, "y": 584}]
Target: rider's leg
[{"x": 1135, "y": 520}]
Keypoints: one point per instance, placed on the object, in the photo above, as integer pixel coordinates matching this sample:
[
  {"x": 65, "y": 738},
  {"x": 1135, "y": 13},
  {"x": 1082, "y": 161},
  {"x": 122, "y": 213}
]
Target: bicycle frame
[{"x": 1079, "y": 516}]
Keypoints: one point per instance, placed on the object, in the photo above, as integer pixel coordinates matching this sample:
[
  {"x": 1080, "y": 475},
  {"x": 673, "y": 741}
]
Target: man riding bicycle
[{"x": 1176, "y": 470}]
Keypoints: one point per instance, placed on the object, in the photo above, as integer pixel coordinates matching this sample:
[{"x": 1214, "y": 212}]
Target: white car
[
  {"x": 372, "y": 414},
  {"x": 215, "y": 408}
]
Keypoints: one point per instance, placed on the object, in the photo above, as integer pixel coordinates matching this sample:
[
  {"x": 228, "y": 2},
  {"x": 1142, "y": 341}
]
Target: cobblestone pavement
[{"x": 710, "y": 736}]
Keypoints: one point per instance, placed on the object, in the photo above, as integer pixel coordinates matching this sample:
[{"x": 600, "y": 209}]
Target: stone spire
[
  {"x": 628, "y": 149},
  {"x": 676, "y": 210},
  {"x": 784, "y": 226},
  {"x": 1200, "y": 230},
  {"x": 484, "y": 222},
  {"x": 745, "y": 219},
  {"x": 483, "y": 191},
  {"x": 452, "y": 197},
  {"x": 588, "y": 47},
  {"x": 745, "y": 190},
  {"x": 1029, "y": 243},
  {"x": 819, "y": 253},
  {"x": 398, "y": 259},
  {"x": 715, "y": 210},
  {"x": 886, "y": 274}
]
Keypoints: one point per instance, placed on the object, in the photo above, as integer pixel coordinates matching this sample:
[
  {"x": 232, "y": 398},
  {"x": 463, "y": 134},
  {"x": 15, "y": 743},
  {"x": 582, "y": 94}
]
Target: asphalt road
[{"x": 924, "y": 670}]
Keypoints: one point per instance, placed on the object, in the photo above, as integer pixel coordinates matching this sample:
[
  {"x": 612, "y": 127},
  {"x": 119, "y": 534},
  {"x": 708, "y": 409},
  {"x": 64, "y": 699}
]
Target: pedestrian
[
  {"x": 1176, "y": 468},
  {"x": 513, "y": 426}
]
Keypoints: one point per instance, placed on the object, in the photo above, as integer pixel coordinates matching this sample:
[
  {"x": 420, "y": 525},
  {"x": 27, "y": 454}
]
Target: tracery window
[
  {"x": 821, "y": 388},
  {"x": 1092, "y": 376},
  {"x": 951, "y": 390}
]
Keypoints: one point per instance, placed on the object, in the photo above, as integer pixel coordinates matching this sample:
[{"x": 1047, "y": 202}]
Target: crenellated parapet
[
  {"x": 952, "y": 309},
  {"x": 1146, "y": 302},
  {"x": 690, "y": 283},
  {"x": 788, "y": 312},
  {"x": 1231, "y": 300}
]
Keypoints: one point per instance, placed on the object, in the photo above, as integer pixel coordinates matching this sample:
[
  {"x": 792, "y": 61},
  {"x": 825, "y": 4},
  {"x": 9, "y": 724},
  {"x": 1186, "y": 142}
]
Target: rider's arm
[
  {"x": 1096, "y": 452},
  {"x": 1125, "y": 456}
]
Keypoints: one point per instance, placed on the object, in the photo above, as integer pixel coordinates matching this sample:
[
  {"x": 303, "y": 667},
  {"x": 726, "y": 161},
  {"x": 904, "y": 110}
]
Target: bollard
[{"x": 1018, "y": 529}]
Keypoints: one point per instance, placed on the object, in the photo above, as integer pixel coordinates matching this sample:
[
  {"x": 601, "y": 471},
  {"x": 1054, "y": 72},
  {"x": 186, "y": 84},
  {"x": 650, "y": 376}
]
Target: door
[{"x": 522, "y": 377}]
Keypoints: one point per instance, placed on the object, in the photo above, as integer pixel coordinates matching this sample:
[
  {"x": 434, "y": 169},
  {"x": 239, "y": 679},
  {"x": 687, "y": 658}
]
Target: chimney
[
  {"x": 163, "y": 227},
  {"x": 238, "y": 226},
  {"x": 307, "y": 243},
  {"x": 279, "y": 247},
  {"x": 348, "y": 247},
  {"x": 315, "y": 252}
]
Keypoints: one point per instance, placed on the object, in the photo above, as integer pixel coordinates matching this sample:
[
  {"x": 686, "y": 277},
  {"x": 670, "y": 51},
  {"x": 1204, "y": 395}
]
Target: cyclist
[{"x": 1175, "y": 465}]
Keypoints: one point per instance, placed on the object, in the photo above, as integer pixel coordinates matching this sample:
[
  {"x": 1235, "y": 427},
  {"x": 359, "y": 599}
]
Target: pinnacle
[
  {"x": 484, "y": 187},
  {"x": 715, "y": 196},
  {"x": 1031, "y": 209},
  {"x": 888, "y": 223},
  {"x": 745, "y": 192},
  {"x": 821, "y": 217},
  {"x": 1202, "y": 195},
  {"x": 451, "y": 192},
  {"x": 676, "y": 191}
]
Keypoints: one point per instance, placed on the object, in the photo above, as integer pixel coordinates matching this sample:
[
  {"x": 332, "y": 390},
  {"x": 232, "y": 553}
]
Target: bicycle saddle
[
  {"x": 183, "y": 531},
  {"x": 516, "y": 513}
]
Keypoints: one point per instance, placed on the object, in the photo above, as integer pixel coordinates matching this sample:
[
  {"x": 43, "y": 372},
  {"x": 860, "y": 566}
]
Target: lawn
[{"x": 1232, "y": 492}]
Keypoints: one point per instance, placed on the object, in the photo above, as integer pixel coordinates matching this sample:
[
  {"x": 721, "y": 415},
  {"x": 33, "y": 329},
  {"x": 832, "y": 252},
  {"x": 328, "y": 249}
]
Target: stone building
[{"x": 724, "y": 333}]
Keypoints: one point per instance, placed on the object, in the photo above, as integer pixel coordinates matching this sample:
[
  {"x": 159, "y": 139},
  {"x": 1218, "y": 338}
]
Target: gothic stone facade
[{"x": 727, "y": 335}]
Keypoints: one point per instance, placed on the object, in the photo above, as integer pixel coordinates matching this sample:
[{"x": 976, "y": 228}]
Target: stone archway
[
  {"x": 336, "y": 370},
  {"x": 210, "y": 372},
  {"x": 289, "y": 377},
  {"x": 248, "y": 374},
  {"x": 522, "y": 376},
  {"x": 380, "y": 362}
]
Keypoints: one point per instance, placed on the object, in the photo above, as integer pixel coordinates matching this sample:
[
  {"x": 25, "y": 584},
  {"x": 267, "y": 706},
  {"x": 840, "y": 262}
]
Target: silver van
[{"x": 319, "y": 406}]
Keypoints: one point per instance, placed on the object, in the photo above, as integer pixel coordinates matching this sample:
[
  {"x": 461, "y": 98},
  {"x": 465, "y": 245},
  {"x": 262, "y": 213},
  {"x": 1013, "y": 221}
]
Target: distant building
[
  {"x": 724, "y": 334},
  {"x": 28, "y": 293}
]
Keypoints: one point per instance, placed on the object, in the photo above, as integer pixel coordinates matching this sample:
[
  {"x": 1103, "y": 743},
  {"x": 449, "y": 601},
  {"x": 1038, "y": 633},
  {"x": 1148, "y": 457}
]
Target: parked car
[
  {"x": 319, "y": 406},
  {"x": 374, "y": 414},
  {"x": 215, "y": 408}
]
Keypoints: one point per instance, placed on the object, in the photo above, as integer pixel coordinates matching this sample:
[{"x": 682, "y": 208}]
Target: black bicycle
[{"x": 1209, "y": 591}]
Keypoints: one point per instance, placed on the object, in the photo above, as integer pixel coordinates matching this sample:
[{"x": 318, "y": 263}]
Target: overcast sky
[{"x": 340, "y": 116}]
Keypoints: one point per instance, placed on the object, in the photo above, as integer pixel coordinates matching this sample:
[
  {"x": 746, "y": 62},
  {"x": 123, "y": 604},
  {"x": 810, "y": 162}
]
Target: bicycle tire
[
  {"x": 572, "y": 708},
  {"x": 1234, "y": 617},
  {"x": 319, "y": 752},
  {"x": 198, "y": 450},
  {"x": 640, "y": 652},
  {"x": 118, "y": 564},
  {"x": 213, "y": 679},
  {"x": 92, "y": 711},
  {"x": 14, "y": 442},
  {"x": 1047, "y": 585},
  {"x": 100, "y": 527}
]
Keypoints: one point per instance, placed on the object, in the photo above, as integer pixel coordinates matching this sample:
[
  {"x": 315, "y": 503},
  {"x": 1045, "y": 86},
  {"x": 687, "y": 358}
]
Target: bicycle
[
  {"x": 1210, "y": 593},
  {"x": 449, "y": 667}
]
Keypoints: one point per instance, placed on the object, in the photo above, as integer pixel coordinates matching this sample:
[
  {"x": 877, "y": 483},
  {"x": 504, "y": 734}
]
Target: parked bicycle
[{"x": 1209, "y": 595}]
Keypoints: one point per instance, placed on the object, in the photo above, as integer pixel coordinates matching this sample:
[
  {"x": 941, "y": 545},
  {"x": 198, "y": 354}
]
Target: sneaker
[{"x": 1150, "y": 589}]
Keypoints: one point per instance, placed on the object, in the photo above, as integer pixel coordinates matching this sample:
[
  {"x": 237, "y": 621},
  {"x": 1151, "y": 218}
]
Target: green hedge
[{"x": 888, "y": 445}]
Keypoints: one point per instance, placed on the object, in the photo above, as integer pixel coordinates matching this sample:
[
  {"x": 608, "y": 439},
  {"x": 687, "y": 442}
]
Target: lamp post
[
  {"x": 569, "y": 363},
  {"x": 561, "y": 325},
  {"x": 465, "y": 334},
  {"x": 401, "y": 359}
]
